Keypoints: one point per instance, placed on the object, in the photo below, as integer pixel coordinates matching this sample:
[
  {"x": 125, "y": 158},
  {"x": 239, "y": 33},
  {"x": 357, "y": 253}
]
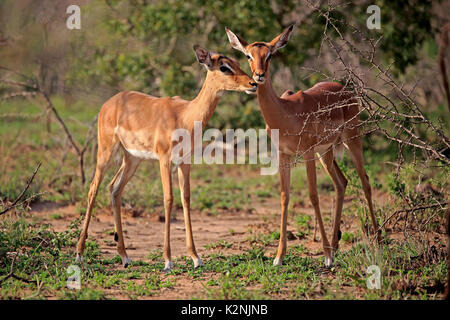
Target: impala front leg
[
  {"x": 166, "y": 178},
  {"x": 183, "y": 178},
  {"x": 285, "y": 174}
]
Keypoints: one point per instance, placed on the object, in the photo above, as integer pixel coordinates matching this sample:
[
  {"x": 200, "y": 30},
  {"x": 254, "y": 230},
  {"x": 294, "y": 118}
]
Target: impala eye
[
  {"x": 249, "y": 58},
  {"x": 225, "y": 69}
]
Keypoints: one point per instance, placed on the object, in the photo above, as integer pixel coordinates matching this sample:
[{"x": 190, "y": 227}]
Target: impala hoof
[
  {"x": 79, "y": 258},
  {"x": 329, "y": 262},
  {"x": 126, "y": 262},
  {"x": 277, "y": 262},
  {"x": 168, "y": 266},
  {"x": 197, "y": 263}
]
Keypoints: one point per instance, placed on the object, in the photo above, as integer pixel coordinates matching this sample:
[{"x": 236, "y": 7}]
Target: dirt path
[{"x": 145, "y": 233}]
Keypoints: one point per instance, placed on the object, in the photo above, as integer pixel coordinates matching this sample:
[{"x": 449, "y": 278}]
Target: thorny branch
[
  {"x": 389, "y": 108},
  {"x": 16, "y": 202}
]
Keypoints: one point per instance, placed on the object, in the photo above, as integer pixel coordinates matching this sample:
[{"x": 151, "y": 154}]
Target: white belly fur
[{"x": 141, "y": 154}]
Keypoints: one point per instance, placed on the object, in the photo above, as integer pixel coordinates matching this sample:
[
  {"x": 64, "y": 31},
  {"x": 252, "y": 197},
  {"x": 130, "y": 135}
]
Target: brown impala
[
  {"x": 141, "y": 126},
  {"x": 318, "y": 120}
]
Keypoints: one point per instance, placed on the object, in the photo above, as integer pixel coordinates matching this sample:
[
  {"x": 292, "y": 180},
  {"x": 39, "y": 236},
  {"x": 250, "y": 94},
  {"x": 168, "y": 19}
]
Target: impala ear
[
  {"x": 281, "y": 40},
  {"x": 236, "y": 42},
  {"x": 203, "y": 56}
]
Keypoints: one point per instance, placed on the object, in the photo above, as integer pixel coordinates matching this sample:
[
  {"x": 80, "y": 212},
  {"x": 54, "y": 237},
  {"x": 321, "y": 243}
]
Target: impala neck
[
  {"x": 203, "y": 106},
  {"x": 271, "y": 105}
]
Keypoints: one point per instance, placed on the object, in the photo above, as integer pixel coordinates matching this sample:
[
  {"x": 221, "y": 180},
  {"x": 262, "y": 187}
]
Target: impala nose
[
  {"x": 259, "y": 77},
  {"x": 252, "y": 90}
]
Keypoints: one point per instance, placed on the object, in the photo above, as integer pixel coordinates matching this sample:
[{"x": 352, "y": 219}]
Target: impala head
[
  {"x": 226, "y": 71},
  {"x": 259, "y": 53}
]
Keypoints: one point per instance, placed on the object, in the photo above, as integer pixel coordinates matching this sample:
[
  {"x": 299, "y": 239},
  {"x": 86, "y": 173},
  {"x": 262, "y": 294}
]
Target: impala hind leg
[
  {"x": 355, "y": 149},
  {"x": 166, "y": 178},
  {"x": 339, "y": 183},
  {"x": 285, "y": 176},
  {"x": 183, "y": 179},
  {"x": 104, "y": 156},
  {"x": 116, "y": 187},
  {"x": 314, "y": 197}
]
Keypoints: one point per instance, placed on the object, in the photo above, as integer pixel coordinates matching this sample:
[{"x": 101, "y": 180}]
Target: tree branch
[{"x": 16, "y": 202}]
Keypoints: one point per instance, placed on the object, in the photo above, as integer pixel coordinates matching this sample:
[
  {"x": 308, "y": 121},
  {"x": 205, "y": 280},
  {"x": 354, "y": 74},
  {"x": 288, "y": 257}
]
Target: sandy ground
[{"x": 145, "y": 233}]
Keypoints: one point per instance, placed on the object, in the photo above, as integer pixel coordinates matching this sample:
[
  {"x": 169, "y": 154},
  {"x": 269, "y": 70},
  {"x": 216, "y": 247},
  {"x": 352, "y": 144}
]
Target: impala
[
  {"x": 318, "y": 120},
  {"x": 141, "y": 126}
]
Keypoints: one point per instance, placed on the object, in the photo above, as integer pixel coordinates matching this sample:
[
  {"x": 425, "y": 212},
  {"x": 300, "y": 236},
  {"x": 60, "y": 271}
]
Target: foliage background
[{"x": 147, "y": 46}]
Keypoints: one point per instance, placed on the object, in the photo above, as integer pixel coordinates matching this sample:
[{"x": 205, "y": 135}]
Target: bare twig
[
  {"x": 16, "y": 202},
  {"x": 440, "y": 205},
  {"x": 11, "y": 274},
  {"x": 33, "y": 85}
]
